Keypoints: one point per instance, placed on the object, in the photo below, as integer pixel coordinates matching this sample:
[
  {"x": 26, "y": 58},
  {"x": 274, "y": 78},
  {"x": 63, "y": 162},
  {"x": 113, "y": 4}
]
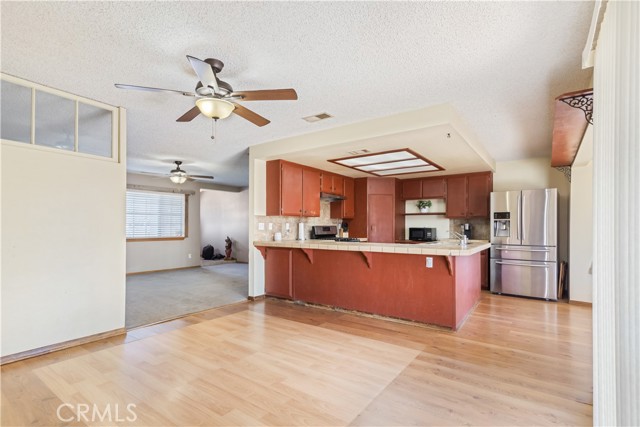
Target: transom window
[{"x": 155, "y": 215}]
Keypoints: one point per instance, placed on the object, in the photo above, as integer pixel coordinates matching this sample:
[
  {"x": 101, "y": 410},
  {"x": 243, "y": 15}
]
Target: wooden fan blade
[
  {"x": 189, "y": 115},
  {"x": 205, "y": 73},
  {"x": 268, "y": 95},
  {"x": 201, "y": 176},
  {"x": 152, "y": 89},
  {"x": 247, "y": 114}
]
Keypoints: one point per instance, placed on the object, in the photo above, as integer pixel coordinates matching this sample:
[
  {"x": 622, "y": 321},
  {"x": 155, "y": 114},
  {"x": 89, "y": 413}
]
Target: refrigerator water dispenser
[{"x": 501, "y": 224}]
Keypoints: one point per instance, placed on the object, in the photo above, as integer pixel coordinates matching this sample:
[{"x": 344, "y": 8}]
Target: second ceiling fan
[{"x": 216, "y": 99}]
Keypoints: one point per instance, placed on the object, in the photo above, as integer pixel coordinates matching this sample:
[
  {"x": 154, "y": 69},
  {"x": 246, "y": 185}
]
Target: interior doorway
[{"x": 168, "y": 278}]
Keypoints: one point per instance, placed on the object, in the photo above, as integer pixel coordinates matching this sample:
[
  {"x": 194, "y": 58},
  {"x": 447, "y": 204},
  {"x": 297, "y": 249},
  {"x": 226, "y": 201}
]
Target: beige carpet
[{"x": 155, "y": 297}]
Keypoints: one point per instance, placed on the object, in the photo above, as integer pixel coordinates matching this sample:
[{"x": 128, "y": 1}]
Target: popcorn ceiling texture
[
  {"x": 500, "y": 64},
  {"x": 280, "y": 221}
]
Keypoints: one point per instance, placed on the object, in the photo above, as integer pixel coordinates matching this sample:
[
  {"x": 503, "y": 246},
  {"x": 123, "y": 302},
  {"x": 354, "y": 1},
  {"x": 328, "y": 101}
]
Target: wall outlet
[
  {"x": 261, "y": 226},
  {"x": 189, "y": 256},
  {"x": 429, "y": 262},
  {"x": 270, "y": 226}
]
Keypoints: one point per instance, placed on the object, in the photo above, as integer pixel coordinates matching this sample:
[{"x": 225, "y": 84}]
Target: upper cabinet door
[
  {"x": 349, "y": 203},
  {"x": 411, "y": 189},
  {"x": 338, "y": 185},
  {"x": 291, "y": 189},
  {"x": 479, "y": 188},
  {"x": 457, "y": 197},
  {"x": 326, "y": 182},
  {"x": 434, "y": 188},
  {"x": 310, "y": 192}
]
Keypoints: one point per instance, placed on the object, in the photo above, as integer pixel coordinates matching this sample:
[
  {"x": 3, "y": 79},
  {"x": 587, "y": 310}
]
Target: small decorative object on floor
[
  {"x": 207, "y": 252},
  {"x": 227, "y": 248},
  {"x": 424, "y": 205}
]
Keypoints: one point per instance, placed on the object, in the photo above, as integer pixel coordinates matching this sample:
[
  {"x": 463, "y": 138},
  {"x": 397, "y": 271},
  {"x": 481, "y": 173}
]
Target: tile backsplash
[
  {"x": 479, "y": 227},
  {"x": 279, "y": 224}
]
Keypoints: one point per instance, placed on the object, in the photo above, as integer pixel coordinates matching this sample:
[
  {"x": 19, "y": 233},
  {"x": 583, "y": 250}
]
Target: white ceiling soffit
[
  {"x": 436, "y": 133},
  {"x": 500, "y": 64}
]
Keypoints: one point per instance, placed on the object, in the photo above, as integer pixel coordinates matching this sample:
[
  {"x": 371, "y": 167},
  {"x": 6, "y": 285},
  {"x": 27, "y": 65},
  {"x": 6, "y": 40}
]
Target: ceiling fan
[
  {"x": 179, "y": 176},
  {"x": 216, "y": 99}
]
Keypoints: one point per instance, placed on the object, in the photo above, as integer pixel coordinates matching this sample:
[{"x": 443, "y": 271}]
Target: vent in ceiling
[
  {"x": 317, "y": 117},
  {"x": 389, "y": 163}
]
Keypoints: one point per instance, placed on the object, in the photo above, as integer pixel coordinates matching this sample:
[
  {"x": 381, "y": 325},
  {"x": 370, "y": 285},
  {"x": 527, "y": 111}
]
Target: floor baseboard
[
  {"x": 59, "y": 346},
  {"x": 163, "y": 270},
  {"x": 585, "y": 304}
]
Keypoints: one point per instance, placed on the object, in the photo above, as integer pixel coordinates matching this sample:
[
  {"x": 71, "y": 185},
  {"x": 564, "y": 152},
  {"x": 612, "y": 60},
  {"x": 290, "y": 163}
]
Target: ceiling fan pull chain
[{"x": 214, "y": 126}]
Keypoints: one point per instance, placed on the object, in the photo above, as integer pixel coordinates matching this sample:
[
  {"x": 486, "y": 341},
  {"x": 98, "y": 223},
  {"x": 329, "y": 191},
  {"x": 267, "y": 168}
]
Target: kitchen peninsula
[{"x": 430, "y": 283}]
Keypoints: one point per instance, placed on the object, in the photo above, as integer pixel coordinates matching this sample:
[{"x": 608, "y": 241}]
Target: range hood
[{"x": 331, "y": 197}]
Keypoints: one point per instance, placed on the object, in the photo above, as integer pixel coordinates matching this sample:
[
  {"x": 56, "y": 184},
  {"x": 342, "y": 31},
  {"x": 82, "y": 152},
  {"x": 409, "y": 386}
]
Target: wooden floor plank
[{"x": 271, "y": 362}]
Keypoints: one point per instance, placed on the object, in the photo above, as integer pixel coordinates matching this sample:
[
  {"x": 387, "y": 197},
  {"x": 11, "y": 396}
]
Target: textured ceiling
[{"x": 500, "y": 64}]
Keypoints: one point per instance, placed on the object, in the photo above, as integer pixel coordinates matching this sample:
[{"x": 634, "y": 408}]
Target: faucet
[{"x": 463, "y": 238}]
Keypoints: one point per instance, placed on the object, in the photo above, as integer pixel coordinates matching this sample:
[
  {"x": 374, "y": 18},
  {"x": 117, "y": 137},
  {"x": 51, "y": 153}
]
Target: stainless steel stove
[{"x": 329, "y": 232}]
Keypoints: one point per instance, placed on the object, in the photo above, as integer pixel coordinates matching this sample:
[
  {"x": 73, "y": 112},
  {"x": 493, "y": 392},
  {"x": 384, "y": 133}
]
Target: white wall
[
  {"x": 531, "y": 174},
  {"x": 63, "y": 246},
  {"x": 581, "y": 232},
  {"x": 222, "y": 214}
]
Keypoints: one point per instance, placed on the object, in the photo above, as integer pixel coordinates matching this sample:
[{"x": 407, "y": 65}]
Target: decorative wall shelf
[{"x": 426, "y": 213}]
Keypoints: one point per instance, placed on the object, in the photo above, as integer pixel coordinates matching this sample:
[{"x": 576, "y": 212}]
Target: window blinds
[{"x": 155, "y": 215}]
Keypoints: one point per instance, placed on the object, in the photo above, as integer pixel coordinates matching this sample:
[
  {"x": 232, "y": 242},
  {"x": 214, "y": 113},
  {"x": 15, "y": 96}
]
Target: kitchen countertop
[{"x": 442, "y": 247}]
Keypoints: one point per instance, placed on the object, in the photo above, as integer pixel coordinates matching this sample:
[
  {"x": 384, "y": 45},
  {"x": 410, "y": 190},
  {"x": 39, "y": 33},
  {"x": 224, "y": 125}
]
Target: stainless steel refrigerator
[{"x": 524, "y": 234}]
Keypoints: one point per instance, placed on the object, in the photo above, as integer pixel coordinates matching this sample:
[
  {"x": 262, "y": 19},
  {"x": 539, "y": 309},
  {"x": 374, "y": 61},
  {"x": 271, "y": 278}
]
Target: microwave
[{"x": 423, "y": 234}]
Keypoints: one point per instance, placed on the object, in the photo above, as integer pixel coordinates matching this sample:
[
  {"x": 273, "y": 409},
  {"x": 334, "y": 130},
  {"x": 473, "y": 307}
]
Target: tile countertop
[{"x": 442, "y": 247}]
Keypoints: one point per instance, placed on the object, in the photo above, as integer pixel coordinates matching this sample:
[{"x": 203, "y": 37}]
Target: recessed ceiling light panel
[{"x": 387, "y": 163}]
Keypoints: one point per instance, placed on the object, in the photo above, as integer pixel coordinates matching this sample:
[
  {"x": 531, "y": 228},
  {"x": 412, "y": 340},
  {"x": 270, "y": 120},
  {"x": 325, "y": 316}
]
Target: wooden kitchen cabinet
[
  {"x": 278, "y": 272},
  {"x": 424, "y": 188},
  {"x": 379, "y": 214},
  {"x": 468, "y": 195},
  {"x": 434, "y": 188},
  {"x": 310, "y": 192},
  {"x": 345, "y": 209},
  {"x": 457, "y": 197},
  {"x": 484, "y": 269},
  {"x": 411, "y": 189},
  {"x": 332, "y": 183},
  {"x": 479, "y": 189},
  {"x": 292, "y": 189}
]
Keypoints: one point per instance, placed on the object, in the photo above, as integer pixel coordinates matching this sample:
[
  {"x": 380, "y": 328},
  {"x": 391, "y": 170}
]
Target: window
[
  {"x": 45, "y": 117},
  {"x": 154, "y": 215}
]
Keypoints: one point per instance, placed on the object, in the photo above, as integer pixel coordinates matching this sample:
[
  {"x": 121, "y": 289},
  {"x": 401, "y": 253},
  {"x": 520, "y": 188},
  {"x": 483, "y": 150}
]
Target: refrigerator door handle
[
  {"x": 523, "y": 265},
  {"x": 519, "y": 217},
  {"x": 522, "y": 250}
]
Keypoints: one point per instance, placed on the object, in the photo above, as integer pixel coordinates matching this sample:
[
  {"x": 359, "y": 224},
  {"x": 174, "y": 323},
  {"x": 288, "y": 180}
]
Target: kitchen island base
[{"x": 398, "y": 285}]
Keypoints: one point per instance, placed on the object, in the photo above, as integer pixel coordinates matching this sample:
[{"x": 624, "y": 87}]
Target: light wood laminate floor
[{"x": 514, "y": 362}]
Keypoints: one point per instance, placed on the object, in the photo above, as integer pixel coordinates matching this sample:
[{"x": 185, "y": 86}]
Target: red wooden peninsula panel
[{"x": 395, "y": 285}]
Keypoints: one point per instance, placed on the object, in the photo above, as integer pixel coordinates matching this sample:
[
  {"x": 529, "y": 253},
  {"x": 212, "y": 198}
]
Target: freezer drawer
[
  {"x": 524, "y": 278},
  {"x": 525, "y": 253}
]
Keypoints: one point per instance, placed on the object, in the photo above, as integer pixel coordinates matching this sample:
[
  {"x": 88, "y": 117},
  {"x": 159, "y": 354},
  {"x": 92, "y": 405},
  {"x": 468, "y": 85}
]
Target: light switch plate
[
  {"x": 261, "y": 226},
  {"x": 270, "y": 226},
  {"x": 286, "y": 226},
  {"x": 429, "y": 262}
]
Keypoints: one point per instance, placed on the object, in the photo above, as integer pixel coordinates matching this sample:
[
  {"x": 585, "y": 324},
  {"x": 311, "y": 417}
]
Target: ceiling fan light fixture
[
  {"x": 178, "y": 176},
  {"x": 215, "y": 108}
]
